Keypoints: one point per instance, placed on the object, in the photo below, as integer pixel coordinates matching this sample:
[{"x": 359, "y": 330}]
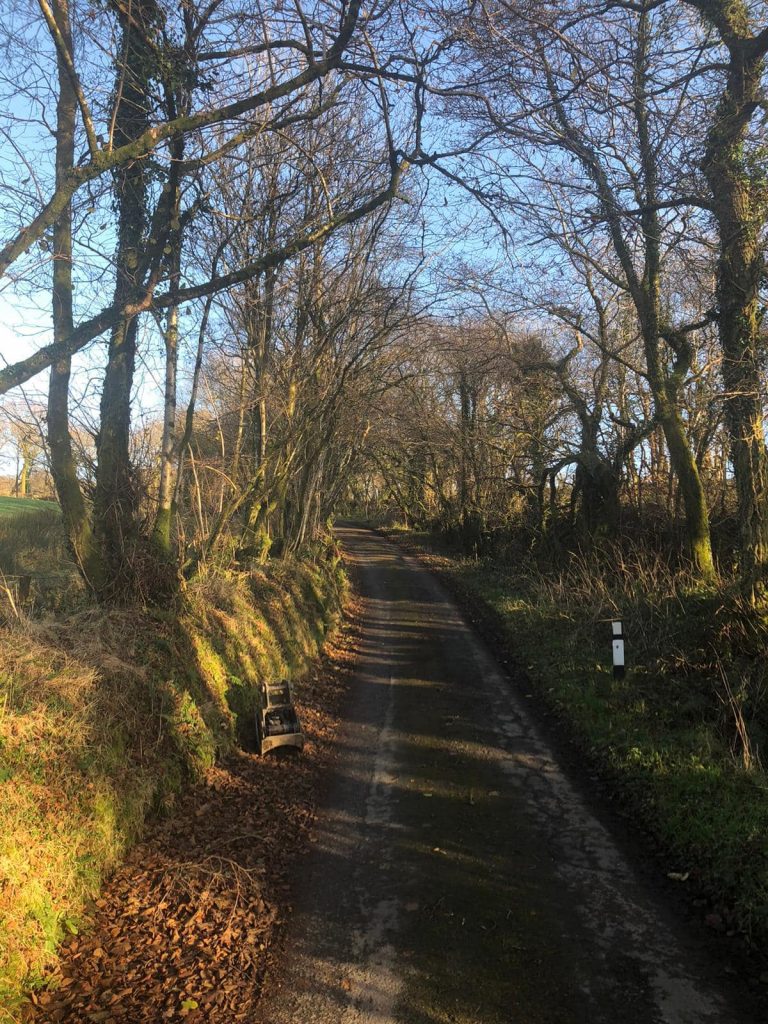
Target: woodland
[
  {"x": 488, "y": 273},
  {"x": 500, "y": 264}
]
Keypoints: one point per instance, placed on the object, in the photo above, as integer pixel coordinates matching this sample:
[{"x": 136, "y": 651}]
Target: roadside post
[{"x": 617, "y": 631}]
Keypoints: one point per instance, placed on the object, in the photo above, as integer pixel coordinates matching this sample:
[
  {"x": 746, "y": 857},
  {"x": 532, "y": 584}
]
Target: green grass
[
  {"x": 103, "y": 715},
  {"x": 667, "y": 737},
  {"x": 33, "y": 545},
  {"x": 14, "y": 506}
]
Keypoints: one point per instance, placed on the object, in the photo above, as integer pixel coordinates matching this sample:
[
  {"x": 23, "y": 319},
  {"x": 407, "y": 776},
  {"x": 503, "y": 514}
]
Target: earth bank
[{"x": 107, "y": 716}]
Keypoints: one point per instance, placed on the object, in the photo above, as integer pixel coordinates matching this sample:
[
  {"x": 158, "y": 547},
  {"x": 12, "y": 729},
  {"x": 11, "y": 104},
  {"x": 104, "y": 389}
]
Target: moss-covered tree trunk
[
  {"x": 739, "y": 197},
  {"x": 162, "y": 533},
  {"x": 666, "y": 383},
  {"x": 115, "y": 498},
  {"x": 694, "y": 499}
]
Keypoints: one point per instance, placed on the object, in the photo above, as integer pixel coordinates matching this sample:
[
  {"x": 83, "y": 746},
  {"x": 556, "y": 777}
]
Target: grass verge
[
  {"x": 105, "y": 715},
  {"x": 679, "y": 738}
]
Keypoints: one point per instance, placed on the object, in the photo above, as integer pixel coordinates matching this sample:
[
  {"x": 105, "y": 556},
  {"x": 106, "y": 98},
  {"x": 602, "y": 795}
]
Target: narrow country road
[{"x": 458, "y": 875}]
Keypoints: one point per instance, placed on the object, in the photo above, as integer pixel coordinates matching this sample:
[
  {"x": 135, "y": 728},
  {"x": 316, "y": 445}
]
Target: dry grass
[
  {"x": 703, "y": 638},
  {"x": 103, "y": 715}
]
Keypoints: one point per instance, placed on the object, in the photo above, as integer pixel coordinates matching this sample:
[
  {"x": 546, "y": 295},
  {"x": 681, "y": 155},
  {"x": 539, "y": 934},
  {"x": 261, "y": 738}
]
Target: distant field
[
  {"x": 15, "y": 506},
  {"x": 33, "y": 544}
]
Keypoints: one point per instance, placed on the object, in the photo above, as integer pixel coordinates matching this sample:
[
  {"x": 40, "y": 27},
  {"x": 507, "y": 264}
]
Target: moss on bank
[{"x": 104, "y": 715}]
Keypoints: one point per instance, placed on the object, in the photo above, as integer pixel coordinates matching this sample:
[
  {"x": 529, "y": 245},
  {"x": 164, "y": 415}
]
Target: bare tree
[
  {"x": 160, "y": 142},
  {"x": 588, "y": 109}
]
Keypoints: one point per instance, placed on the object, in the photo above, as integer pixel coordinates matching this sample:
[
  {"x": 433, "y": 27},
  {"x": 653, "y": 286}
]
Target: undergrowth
[
  {"x": 104, "y": 715},
  {"x": 681, "y": 736}
]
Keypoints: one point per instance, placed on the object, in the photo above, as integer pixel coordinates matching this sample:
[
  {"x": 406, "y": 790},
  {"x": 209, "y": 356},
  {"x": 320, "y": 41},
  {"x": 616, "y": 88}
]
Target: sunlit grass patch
[{"x": 10, "y": 507}]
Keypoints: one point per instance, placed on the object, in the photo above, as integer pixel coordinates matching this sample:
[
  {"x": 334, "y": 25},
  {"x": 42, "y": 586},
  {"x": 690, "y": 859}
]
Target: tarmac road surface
[{"x": 459, "y": 876}]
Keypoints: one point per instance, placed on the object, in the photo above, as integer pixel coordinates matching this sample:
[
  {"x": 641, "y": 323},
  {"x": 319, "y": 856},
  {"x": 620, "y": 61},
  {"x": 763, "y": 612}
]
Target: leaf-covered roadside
[
  {"x": 184, "y": 929},
  {"x": 106, "y": 716}
]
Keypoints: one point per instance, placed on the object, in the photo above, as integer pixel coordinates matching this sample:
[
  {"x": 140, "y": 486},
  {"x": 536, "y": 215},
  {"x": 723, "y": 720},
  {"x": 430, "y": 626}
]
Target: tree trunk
[
  {"x": 63, "y": 466},
  {"x": 22, "y": 490},
  {"x": 162, "y": 532},
  {"x": 163, "y": 527},
  {"x": 665, "y": 383},
  {"x": 598, "y": 483},
  {"x": 740, "y": 202},
  {"x": 692, "y": 493},
  {"x": 115, "y": 499}
]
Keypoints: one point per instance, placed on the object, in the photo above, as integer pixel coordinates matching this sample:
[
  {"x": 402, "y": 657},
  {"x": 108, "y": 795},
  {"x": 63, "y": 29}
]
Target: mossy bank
[{"x": 104, "y": 715}]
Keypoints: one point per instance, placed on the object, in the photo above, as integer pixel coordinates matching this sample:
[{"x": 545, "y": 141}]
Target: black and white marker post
[{"x": 617, "y": 628}]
